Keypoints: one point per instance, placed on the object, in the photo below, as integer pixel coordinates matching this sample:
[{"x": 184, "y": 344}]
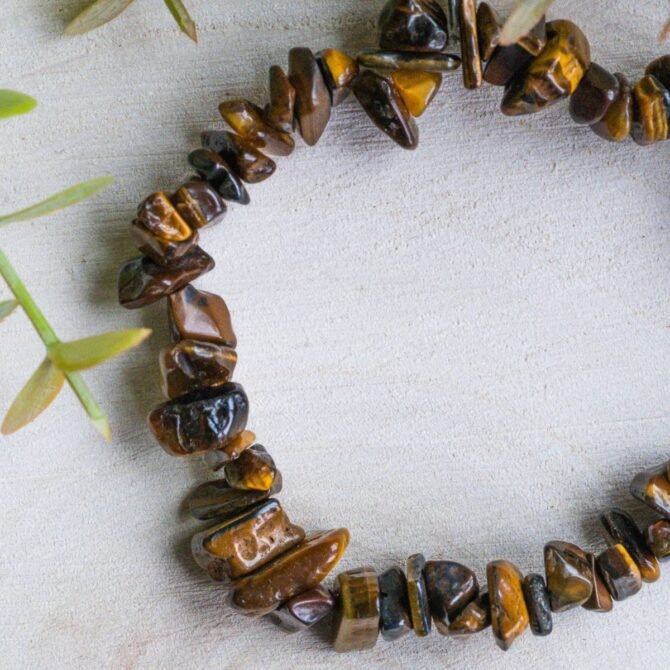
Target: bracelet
[{"x": 267, "y": 564}]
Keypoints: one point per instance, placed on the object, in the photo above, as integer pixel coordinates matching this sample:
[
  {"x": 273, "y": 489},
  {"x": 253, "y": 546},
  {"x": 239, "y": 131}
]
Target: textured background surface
[{"x": 463, "y": 351}]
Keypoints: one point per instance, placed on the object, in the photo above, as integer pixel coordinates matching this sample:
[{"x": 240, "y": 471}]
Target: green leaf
[
  {"x": 96, "y": 15},
  {"x": 182, "y": 17},
  {"x": 91, "y": 351},
  {"x": 523, "y": 19},
  {"x": 40, "y": 391},
  {"x": 7, "y": 307},
  {"x": 13, "y": 103},
  {"x": 67, "y": 198}
]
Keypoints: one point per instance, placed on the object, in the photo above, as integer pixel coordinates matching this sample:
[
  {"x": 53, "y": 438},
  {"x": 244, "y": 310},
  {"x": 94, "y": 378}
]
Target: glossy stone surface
[
  {"x": 620, "y": 528},
  {"x": 660, "y": 69},
  {"x": 143, "y": 282},
  {"x": 475, "y": 618},
  {"x": 246, "y": 119},
  {"x": 617, "y": 123},
  {"x": 417, "y": 89},
  {"x": 243, "y": 158},
  {"x": 241, "y": 544},
  {"x": 339, "y": 70},
  {"x": 395, "y": 619},
  {"x": 619, "y": 572},
  {"x": 312, "y": 98},
  {"x": 489, "y": 27},
  {"x": 417, "y": 594},
  {"x": 413, "y": 25},
  {"x": 569, "y": 577},
  {"x": 381, "y": 100},
  {"x": 216, "y": 499},
  {"x": 230, "y": 451},
  {"x": 279, "y": 111},
  {"x": 356, "y": 622},
  {"x": 473, "y": 76},
  {"x": 658, "y": 538},
  {"x": 202, "y": 316},
  {"x": 601, "y": 599},
  {"x": 304, "y": 610},
  {"x": 596, "y": 93},
  {"x": 254, "y": 470},
  {"x": 396, "y": 60},
  {"x": 652, "y": 487},
  {"x": 509, "y": 613},
  {"x": 451, "y": 587},
  {"x": 190, "y": 427},
  {"x": 188, "y": 367},
  {"x": 298, "y": 570},
  {"x": 215, "y": 170},
  {"x": 199, "y": 203},
  {"x": 553, "y": 75},
  {"x": 651, "y": 106},
  {"x": 539, "y": 606}
]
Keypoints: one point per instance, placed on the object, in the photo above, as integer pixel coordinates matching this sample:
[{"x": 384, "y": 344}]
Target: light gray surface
[{"x": 462, "y": 351}]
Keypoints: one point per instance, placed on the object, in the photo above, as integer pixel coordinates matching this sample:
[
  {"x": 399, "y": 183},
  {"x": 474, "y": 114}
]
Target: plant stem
[{"x": 48, "y": 336}]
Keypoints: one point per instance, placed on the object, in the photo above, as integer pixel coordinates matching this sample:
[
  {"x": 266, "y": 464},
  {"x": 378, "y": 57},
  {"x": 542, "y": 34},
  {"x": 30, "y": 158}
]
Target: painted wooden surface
[{"x": 462, "y": 351}]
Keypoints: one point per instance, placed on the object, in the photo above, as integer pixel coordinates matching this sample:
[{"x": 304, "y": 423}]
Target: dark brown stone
[
  {"x": 619, "y": 572},
  {"x": 594, "y": 96},
  {"x": 254, "y": 470},
  {"x": 304, "y": 611},
  {"x": 475, "y": 618},
  {"x": 472, "y": 62},
  {"x": 213, "y": 168},
  {"x": 279, "y": 111},
  {"x": 601, "y": 598},
  {"x": 199, "y": 203},
  {"x": 489, "y": 27},
  {"x": 616, "y": 125},
  {"x": 660, "y": 68},
  {"x": 569, "y": 577},
  {"x": 539, "y": 605},
  {"x": 413, "y": 25},
  {"x": 658, "y": 538},
  {"x": 244, "y": 159},
  {"x": 652, "y": 487},
  {"x": 451, "y": 587}
]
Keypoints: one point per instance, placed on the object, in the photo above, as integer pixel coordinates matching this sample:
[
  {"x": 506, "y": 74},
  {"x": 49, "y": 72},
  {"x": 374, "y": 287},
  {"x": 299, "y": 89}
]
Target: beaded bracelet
[{"x": 268, "y": 565}]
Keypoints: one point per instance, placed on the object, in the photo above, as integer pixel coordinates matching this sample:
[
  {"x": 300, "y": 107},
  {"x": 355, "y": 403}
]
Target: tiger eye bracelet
[{"x": 267, "y": 565}]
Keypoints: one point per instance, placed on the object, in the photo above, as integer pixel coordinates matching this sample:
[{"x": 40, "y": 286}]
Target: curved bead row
[{"x": 268, "y": 565}]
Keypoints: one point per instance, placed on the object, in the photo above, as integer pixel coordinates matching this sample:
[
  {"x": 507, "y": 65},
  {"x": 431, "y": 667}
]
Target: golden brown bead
[
  {"x": 417, "y": 594},
  {"x": 451, "y": 587},
  {"x": 199, "y": 204},
  {"x": 569, "y": 577},
  {"x": 279, "y": 112},
  {"x": 413, "y": 25},
  {"x": 489, "y": 27},
  {"x": 230, "y": 451},
  {"x": 596, "y": 93},
  {"x": 339, "y": 71},
  {"x": 215, "y": 170},
  {"x": 472, "y": 62},
  {"x": 475, "y": 618},
  {"x": 509, "y": 613},
  {"x": 616, "y": 125},
  {"x": 254, "y": 470},
  {"x": 397, "y": 60},
  {"x": 356, "y": 622},
  {"x": 652, "y": 487},
  {"x": 601, "y": 598},
  {"x": 658, "y": 538},
  {"x": 651, "y": 105},
  {"x": 619, "y": 572},
  {"x": 417, "y": 89}
]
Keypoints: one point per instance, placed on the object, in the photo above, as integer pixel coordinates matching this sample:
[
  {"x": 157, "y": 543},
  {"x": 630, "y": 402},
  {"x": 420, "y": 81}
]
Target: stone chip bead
[
  {"x": 230, "y": 451},
  {"x": 601, "y": 598},
  {"x": 597, "y": 92},
  {"x": 651, "y": 107},
  {"x": 246, "y": 161},
  {"x": 377, "y": 59},
  {"x": 472, "y": 62},
  {"x": 539, "y": 605},
  {"x": 241, "y": 544},
  {"x": 395, "y": 619},
  {"x": 215, "y": 170},
  {"x": 475, "y": 618},
  {"x": 279, "y": 111},
  {"x": 417, "y": 89},
  {"x": 509, "y": 613},
  {"x": 569, "y": 577},
  {"x": 298, "y": 570},
  {"x": 356, "y": 622},
  {"x": 254, "y": 470},
  {"x": 489, "y": 27},
  {"x": 619, "y": 572},
  {"x": 339, "y": 71},
  {"x": 304, "y": 610},
  {"x": 617, "y": 123},
  {"x": 658, "y": 538},
  {"x": 199, "y": 204},
  {"x": 652, "y": 487},
  {"x": 413, "y": 25},
  {"x": 660, "y": 68},
  {"x": 418, "y": 595}
]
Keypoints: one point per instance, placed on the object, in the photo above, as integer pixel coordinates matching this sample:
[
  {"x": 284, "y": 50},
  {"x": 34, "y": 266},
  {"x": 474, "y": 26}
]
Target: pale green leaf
[
  {"x": 13, "y": 103},
  {"x": 182, "y": 17},
  {"x": 34, "y": 398},
  {"x": 67, "y": 198},
  {"x": 91, "y": 351},
  {"x": 7, "y": 307},
  {"x": 96, "y": 15},
  {"x": 523, "y": 19}
]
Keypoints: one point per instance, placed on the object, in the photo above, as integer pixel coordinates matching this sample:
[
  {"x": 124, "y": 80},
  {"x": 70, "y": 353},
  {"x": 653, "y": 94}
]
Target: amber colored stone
[
  {"x": 596, "y": 93},
  {"x": 279, "y": 111},
  {"x": 239, "y": 545},
  {"x": 246, "y": 119},
  {"x": 215, "y": 170},
  {"x": 619, "y": 572},
  {"x": 475, "y": 618},
  {"x": 413, "y": 25},
  {"x": 451, "y": 587},
  {"x": 489, "y": 27},
  {"x": 312, "y": 97},
  {"x": 395, "y": 619},
  {"x": 509, "y": 613},
  {"x": 339, "y": 70},
  {"x": 417, "y": 594},
  {"x": 569, "y": 578},
  {"x": 652, "y": 487},
  {"x": 472, "y": 63},
  {"x": 199, "y": 204},
  {"x": 230, "y": 451},
  {"x": 417, "y": 89},
  {"x": 658, "y": 538},
  {"x": 539, "y": 605},
  {"x": 617, "y": 123},
  {"x": 295, "y": 571},
  {"x": 553, "y": 75},
  {"x": 254, "y": 470},
  {"x": 143, "y": 282},
  {"x": 384, "y": 105},
  {"x": 601, "y": 598},
  {"x": 620, "y": 528},
  {"x": 304, "y": 610},
  {"x": 377, "y": 59},
  {"x": 217, "y": 499},
  {"x": 161, "y": 251},
  {"x": 651, "y": 106},
  {"x": 245, "y": 160},
  {"x": 660, "y": 68},
  {"x": 356, "y": 622},
  {"x": 195, "y": 426}
]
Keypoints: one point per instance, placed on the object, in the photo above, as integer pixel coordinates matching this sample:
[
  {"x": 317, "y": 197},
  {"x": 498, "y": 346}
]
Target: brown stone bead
[
  {"x": 417, "y": 594},
  {"x": 254, "y": 470},
  {"x": 601, "y": 598},
  {"x": 195, "y": 426},
  {"x": 199, "y": 204},
  {"x": 616, "y": 125},
  {"x": 250, "y": 164},
  {"x": 417, "y": 89},
  {"x": 202, "y": 316},
  {"x": 413, "y": 25},
  {"x": 230, "y": 451},
  {"x": 652, "y": 487},
  {"x": 312, "y": 97},
  {"x": 620, "y": 528},
  {"x": 217, "y": 499},
  {"x": 377, "y": 59},
  {"x": 475, "y": 618},
  {"x": 304, "y": 611},
  {"x": 619, "y": 572},
  {"x": 279, "y": 111},
  {"x": 539, "y": 605},
  {"x": 596, "y": 93},
  {"x": 660, "y": 68},
  {"x": 489, "y": 27},
  {"x": 658, "y": 538},
  {"x": 553, "y": 75},
  {"x": 451, "y": 587},
  {"x": 161, "y": 251},
  {"x": 382, "y": 102},
  {"x": 246, "y": 119},
  {"x": 509, "y": 613},
  {"x": 244, "y": 543},
  {"x": 339, "y": 71},
  {"x": 651, "y": 106},
  {"x": 215, "y": 170},
  {"x": 569, "y": 577},
  {"x": 395, "y": 619},
  {"x": 298, "y": 570},
  {"x": 472, "y": 63},
  {"x": 143, "y": 282},
  {"x": 356, "y": 623}
]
